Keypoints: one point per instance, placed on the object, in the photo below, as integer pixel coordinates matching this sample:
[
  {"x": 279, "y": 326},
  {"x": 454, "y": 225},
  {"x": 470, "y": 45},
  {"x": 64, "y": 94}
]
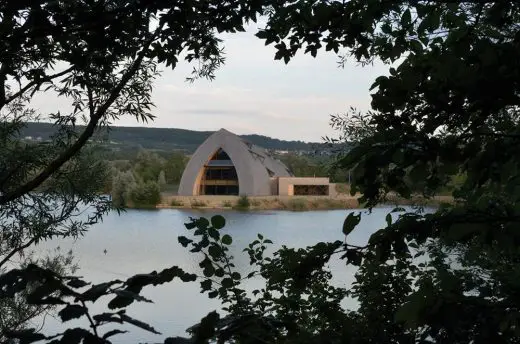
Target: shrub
[
  {"x": 227, "y": 204},
  {"x": 342, "y": 188},
  {"x": 315, "y": 204},
  {"x": 243, "y": 203},
  {"x": 161, "y": 179},
  {"x": 195, "y": 203},
  {"x": 176, "y": 203},
  {"x": 297, "y": 204},
  {"x": 332, "y": 204},
  {"x": 145, "y": 194},
  {"x": 281, "y": 204},
  {"x": 122, "y": 185}
]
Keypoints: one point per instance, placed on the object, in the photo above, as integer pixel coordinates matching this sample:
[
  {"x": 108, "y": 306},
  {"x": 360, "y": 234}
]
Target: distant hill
[{"x": 167, "y": 138}]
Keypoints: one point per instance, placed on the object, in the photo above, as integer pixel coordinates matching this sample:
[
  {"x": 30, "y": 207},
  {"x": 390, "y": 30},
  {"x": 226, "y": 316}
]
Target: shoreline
[{"x": 287, "y": 203}]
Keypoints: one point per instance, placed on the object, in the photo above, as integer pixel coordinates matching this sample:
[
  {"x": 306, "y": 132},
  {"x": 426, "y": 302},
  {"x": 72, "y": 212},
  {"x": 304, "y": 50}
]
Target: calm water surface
[{"x": 144, "y": 241}]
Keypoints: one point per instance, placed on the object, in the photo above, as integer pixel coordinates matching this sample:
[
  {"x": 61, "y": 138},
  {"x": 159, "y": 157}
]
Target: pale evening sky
[{"x": 253, "y": 94}]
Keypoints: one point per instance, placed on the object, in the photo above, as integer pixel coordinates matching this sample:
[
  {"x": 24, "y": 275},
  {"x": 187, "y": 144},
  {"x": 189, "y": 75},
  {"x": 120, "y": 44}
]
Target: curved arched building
[{"x": 226, "y": 164}]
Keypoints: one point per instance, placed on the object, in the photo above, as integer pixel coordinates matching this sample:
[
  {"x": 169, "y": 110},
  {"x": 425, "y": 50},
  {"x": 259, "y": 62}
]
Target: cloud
[
  {"x": 252, "y": 93},
  {"x": 221, "y": 112}
]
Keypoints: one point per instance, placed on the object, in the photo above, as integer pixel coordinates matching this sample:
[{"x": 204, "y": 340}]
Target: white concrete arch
[{"x": 249, "y": 162}]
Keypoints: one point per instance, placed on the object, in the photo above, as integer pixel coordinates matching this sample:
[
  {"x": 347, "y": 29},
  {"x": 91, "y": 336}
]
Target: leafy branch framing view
[{"x": 448, "y": 108}]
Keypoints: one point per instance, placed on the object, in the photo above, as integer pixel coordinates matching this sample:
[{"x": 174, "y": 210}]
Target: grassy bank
[
  {"x": 420, "y": 201},
  {"x": 290, "y": 203},
  {"x": 259, "y": 203}
]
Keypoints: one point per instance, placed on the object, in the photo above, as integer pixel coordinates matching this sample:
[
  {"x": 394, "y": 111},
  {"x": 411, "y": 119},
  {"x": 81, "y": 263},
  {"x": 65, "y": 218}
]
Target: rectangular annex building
[{"x": 226, "y": 164}]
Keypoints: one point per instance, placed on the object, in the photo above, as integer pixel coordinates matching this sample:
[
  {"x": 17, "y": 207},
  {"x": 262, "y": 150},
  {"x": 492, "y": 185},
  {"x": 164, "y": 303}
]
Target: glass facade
[
  {"x": 220, "y": 176},
  {"x": 221, "y": 173},
  {"x": 221, "y": 189},
  {"x": 311, "y": 190}
]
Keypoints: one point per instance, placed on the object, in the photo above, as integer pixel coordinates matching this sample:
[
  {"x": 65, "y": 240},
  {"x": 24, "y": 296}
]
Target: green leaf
[
  {"x": 416, "y": 46},
  {"x": 227, "y": 240},
  {"x": 113, "y": 333},
  {"x": 184, "y": 241},
  {"x": 206, "y": 284},
  {"x": 386, "y": 28},
  {"x": 106, "y": 317},
  {"x": 138, "y": 323},
  {"x": 202, "y": 223},
  {"x": 218, "y": 221},
  {"x": 214, "y": 251},
  {"x": 354, "y": 257},
  {"x": 433, "y": 20},
  {"x": 260, "y": 236},
  {"x": 205, "y": 262},
  {"x": 227, "y": 282},
  {"x": 388, "y": 219},
  {"x": 400, "y": 246},
  {"x": 262, "y": 34},
  {"x": 206, "y": 328},
  {"x": 213, "y": 233},
  {"x": 209, "y": 271},
  {"x": 350, "y": 223},
  {"x": 125, "y": 298},
  {"x": 178, "y": 340},
  {"x": 410, "y": 311},
  {"x": 78, "y": 335},
  {"x": 25, "y": 336},
  {"x": 406, "y": 18},
  {"x": 219, "y": 272},
  {"x": 77, "y": 283},
  {"x": 190, "y": 225},
  {"x": 98, "y": 290},
  {"x": 376, "y": 83},
  {"x": 236, "y": 276},
  {"x": 72, "y": 312}
]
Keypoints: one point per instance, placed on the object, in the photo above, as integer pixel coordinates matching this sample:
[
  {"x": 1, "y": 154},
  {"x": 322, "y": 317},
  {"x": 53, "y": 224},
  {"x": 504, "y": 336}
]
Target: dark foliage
[
  {"x": 100, "y": 58},
  {"x": 449, "y": 106},
  {"x": 73, "y": 294}
]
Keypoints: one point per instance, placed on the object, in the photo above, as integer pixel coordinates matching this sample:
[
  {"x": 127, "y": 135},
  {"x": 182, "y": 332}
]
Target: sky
[{"x": 254, "y": 94}]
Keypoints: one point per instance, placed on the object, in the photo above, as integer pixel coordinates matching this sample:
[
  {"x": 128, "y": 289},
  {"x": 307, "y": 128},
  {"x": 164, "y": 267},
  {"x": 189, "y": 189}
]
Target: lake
[{"x": 144, "y": 241}]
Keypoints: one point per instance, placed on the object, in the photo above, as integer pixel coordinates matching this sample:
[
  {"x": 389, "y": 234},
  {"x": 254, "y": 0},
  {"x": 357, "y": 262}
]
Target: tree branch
[
  {"x": 87, "y": 133},
  {"x": 34, "y": 83},
  {"x": 16, "y": 250},
  {"x": 91, "y": 321},
  {"x": 31, "y": 315},
  {"x": 2, "y": 83},
  {"x": 91, "y": 106}
]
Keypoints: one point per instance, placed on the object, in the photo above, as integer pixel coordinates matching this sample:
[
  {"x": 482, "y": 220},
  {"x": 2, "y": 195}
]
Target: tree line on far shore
[{"x": 138, "y": 178}]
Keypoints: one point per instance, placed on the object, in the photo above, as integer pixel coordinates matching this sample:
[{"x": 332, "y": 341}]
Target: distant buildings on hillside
[
  {"x": 30, "y": 138},
  {"x": 314, "y": 152},
  {"x": 281, "y": 152}
]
